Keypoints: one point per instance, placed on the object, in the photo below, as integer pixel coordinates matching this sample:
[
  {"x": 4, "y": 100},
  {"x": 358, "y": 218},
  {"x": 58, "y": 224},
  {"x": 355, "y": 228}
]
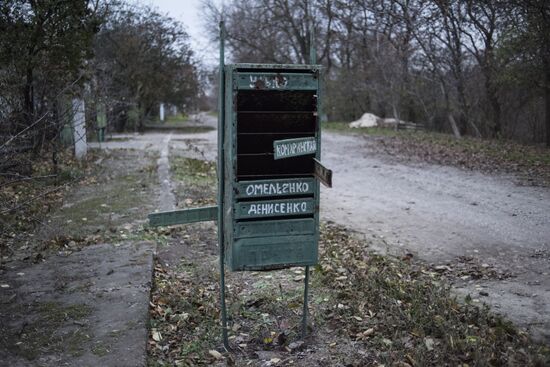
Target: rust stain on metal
[{"x": 259, "y": 84}]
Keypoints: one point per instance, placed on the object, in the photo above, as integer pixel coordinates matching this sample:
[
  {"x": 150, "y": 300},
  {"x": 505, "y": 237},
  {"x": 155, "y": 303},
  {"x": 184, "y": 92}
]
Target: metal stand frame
[
  {"x": 221, "y": 125},
  {"x": 305, "y": 309},
  {"x": 221, "y": 117}
]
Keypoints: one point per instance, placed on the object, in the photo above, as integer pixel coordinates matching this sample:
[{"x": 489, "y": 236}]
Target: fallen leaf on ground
[
  {"x": 215, "y": 354},
  {"x": 429, "y": 342},
  {"x": 156, "y": 336}
]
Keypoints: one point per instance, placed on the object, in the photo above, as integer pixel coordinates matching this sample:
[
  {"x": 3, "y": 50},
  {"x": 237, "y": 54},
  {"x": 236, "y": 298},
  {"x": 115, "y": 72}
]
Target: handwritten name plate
[
  {"x": 276, "y": 81},
  {"x": 281, "y": 187},
  {"x": 274, "y": 208},
  {"x": 294, "y": 147}
]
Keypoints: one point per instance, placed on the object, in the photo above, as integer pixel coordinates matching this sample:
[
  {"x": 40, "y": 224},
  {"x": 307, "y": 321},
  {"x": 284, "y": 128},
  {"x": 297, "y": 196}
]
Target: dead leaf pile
[
  {"x": 27, "y": 198},
  {"x": 365, "y": 309},
  {"x": 184, "y": 317},
  {"x": 467, "y": 268},
  {"x": 531, "y": 164},
  {"x": 404, "y": 313}
]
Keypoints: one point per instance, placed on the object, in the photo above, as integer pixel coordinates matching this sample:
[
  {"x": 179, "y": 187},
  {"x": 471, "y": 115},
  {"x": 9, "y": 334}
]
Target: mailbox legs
[
  {"x": 221, "y": 175},
  {"x": 304, "y": 311},
  {"x": 223, "y": 307},
  {"x": 224, "y": 310}
]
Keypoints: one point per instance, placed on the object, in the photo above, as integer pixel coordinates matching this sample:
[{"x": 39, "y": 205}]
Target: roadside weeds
[
  {"x": 530, "y": 164},
  {"x": 28, "y": 198},
  {"x": 365, "y": 309}
]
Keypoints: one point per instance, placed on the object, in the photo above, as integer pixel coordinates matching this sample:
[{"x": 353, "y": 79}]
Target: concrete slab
[{"x": 88, "y": 308}]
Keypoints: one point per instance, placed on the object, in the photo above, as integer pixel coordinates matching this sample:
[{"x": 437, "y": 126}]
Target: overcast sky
[{"x": 188, "y": 12}]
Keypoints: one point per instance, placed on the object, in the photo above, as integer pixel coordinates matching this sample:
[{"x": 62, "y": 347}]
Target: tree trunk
[
  {"x": 28, "y": 97},
  {"x": 477, "y": 133},
  {"x": 450, "y": 117},
  {"x": 465, "y": 110},
  {"x": 495, "y": 105},
  {"x": 454, "y": 127}
]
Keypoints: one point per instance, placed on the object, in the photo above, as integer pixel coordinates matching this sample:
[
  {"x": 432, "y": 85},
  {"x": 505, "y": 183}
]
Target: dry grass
[
  {"x": 531, "y": 164},
  {"x": 405, "y": 314},
  {"x": 383, "y": 310},
  {"x": 365, "y": 309}
]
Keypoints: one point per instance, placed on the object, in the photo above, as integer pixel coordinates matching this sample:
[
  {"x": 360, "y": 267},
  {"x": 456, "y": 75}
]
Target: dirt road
[
  {"x": 449, "y": 217},
  {"x": 490, "y": 237},
  {"x": 496, "y": 233},
  {"x": 487, "y": 236}
]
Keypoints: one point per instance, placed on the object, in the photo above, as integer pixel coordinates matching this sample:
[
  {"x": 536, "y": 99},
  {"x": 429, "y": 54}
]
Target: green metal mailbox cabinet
[
  {"x": 271, "y": 148},
  {"x": 269, "y": 170}
]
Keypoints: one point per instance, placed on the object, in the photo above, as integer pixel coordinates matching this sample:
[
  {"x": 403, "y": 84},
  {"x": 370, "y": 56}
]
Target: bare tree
[
  {"x": 481, "y": 35},
  {"x": 143, "y": 58},
  {"x": 527, "y": 45},
  {"x": 450, "y": 63}
]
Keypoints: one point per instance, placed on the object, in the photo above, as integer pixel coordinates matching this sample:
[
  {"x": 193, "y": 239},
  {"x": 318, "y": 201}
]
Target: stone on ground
[
  {"x": 392, "y": 122},
  {"x": 367, "y": 120}
]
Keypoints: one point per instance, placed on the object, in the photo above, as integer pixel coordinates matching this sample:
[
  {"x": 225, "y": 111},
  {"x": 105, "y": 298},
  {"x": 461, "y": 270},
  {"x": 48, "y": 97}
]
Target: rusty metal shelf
[
  {"x": 276, "y": 175},
  {"x": 311, "y": 132},
  {"x": 278, "y": 112},
  {"x": 253, "y": 154}
]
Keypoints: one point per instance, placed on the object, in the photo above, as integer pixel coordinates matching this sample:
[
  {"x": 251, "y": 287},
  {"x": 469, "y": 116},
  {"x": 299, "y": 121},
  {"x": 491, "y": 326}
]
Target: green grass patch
[
  {"x": 119, "y": 139},
  {"x": 56, "y": 313},
  {"x": 181, "y": 123},
  {"x": 196, "y": 181},
  {"x": 175, "y": 120},
  {"x": 26, "y": 199},
  {"x": 110, "y": 204},
  {"x": 102, "y": 207},
  {"x": 52, "y": 331},
  {"x": 343, "y": 127},
  {"x": 100, "y": 349},
  {"x": 336, "y": 126},
  {"x": 194, "y": 171}
]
